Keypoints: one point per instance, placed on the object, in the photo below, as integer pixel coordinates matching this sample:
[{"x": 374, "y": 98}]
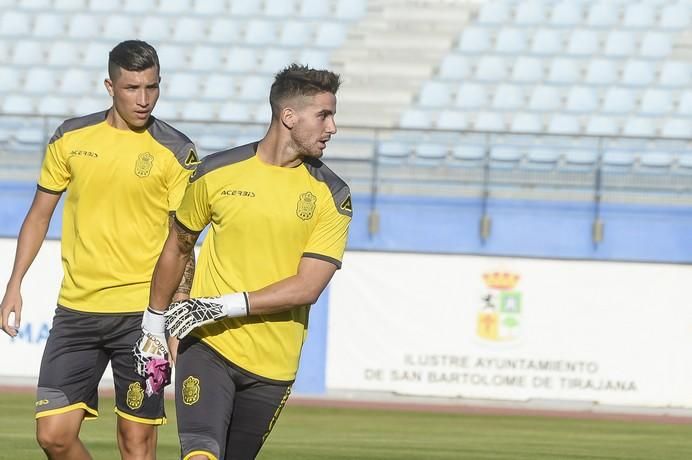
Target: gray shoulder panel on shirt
[
  {"x": 340, "y": 191},
  {"x": 224, "y": 158},
  {"x": 175, "y": 141},
  {"x": 78, "y": 123}
]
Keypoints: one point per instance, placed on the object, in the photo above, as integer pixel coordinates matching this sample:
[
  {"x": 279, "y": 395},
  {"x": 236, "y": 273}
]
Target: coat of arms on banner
[{"x": 499, "y": 315}]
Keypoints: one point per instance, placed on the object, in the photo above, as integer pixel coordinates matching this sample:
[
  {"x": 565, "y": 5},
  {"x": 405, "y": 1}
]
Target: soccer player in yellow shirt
[
  {"x": 279, "y": 221},
  {"x": 123, "y": 172}
]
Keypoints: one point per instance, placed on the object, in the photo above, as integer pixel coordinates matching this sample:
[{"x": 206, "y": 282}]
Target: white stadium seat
[
  {"x": 241, "y": 60},
  {"x": 547, "y": 42},
  {"x": 581, "y": 99},
  {"x": 639, "y": 15},
  {"x": 218, "y": 86},
  {"x": 10, "y": 78},
  {"x": 494, "y": 13},
  {"x": 474, "y": 40},
  {"x": 39, "y": 80},
  {"x": 489, "y": 121},
  {"x": 471, "y": 96},
  {"x": 280, "y": 8},
  {"x": 618, "y": 101},
  {"x": 526, "y": 123},
  {"x": 452, "y": 119},
  {"x": 234, "y": 111},
  {"x": 198, "y": 111},
  {"x": 583, "y": 42},
  {"x": 676, "y": 127},
  {"x": 330, "y": 35},
  {"x": 601, "y": 72},
  {"x": 685, "y": 104},
  {"x": 566, "y": 71},
  {"x": 566, "y": 13},
  {"x": 527, "y": 69},
  {"x": 190, "y": 30},
  {"x": 508, "y": 97},
  {"x": 27, "y": 52},
  {"x": 434, "y": 94},
  {"x": 55, "y": 106},
  {"x": 50, "y": 25},
  {"x": 155, "y": 28},
  {"x": 84, "y": 26},
  {"x": 564, "y": 124},
  {"x": 599, "y": 125},
  {"x": 675, "y": 74},
  {"x": 313, "y": 9},
  {"x": 455, "y": 66},
  {"x": 209, "y": 7},
  {"x": 77, "y": 81},
  {"x": 119, "y": 27},
  {"x": 491, "y": 68},
  {"x": 223, "y": 31},
  {"x": 174, "y": 6},
  {"x": 545, "y": 99},
  {"x": 638, "y": 73},
  {"x": 620, "y": 43},
  {"x": 67, "y": 54},
  {"x": 656, "y": 45},
  {"x": 350, "y": 9},
  {"x": 675, "y": 17},
  {"x": 656, "y": 102},
  {"x": 295, "y": 33},
  {"x": 510, "y": 41},
  {"x": 643, "y": 127},
  {"x": 413, "y": 118},
  {"x": 603, "y": 14},
  {"x": 260, "y": 32},
  {"x": 244, "y": 8},
  {"x": 206, "y": 58},
  {"x": 14, "y": 23},
  {"x": 181, "y": 85},
  {"x": 530, "y": 13}
]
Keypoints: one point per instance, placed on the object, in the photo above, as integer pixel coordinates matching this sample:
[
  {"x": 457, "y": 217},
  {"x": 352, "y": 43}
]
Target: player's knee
[
  {"x": 54, "y": 442},
  {"x": 136, "y": 440}
]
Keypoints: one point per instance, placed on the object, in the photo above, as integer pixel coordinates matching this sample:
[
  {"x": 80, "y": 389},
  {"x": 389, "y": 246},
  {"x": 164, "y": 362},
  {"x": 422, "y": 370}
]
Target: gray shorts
[
  {"x": 78, "y": 349},
  {"x": 223, "y": 410}
]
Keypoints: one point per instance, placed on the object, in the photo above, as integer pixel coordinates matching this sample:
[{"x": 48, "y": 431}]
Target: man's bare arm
[{"x": 183, "y": 291}]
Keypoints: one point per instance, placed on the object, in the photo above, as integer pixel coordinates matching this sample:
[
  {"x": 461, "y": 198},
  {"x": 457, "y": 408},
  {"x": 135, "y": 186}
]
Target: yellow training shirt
[
  {"x": 263, "y": 220},
  {"x": 121, "y": 186}
]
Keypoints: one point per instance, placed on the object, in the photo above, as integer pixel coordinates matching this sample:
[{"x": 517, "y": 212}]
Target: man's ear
[
  {"x": 109, "y": 86},
  {"x": 288, "y": 117}
]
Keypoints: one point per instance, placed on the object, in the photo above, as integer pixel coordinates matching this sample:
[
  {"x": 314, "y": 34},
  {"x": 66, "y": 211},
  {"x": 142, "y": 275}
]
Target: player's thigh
[
  {"x": 131, "y": 401},
  {"x": 256, "y": 408},
  {"x": 72, "y": 365},
  {"x": 203, "y": 400}
]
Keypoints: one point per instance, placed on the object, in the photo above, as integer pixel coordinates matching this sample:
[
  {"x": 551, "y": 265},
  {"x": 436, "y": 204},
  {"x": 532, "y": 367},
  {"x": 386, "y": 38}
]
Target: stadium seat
[
  {"x": 455, "y": 67},
  {"x": 493, "y": 13},
  {"x": 39, "y": 80},
  {"x": 675, "y": 74},
  {"x": 138, "y": 6},
  {"x": 314, "y": 58},
  {"x": 167, "y": 110},
  {"x": 15, "y": 24},
  {"x": 527, "y": 70},
  {"x": 580, "y": 159},
  {"x": 10, "y": 79},
  {"x": 415, "y": 119},
  {"x": 87, "y": 105},
  {"x": 617, "y": 160},
  {"x": 182, "y": 85},
  {"x": 564, "y": 124},
  {"x": 505, "y": 156},
  {"x": 429, "y": 154},
  {"x": 620, "y": 43},
  {"x": 489, "y": 121},
  {"x": 601, "y": 72},
  {"x": 119, "y": 27},
  {"x": 241, "y": 60},
  {"x": 452, "y": 119},
  {"x": 198, "y": 111},
  {"x": 27, "y": 52},
  {"x": 42, "y": 5},
  {"x": 70, "y": 5},
  {"x": 655, "y": 102},
  {"x": 274, "y": 59},
  {"x": 434, "y": 94},
  {"x": 55, "y": 106},
  {"x": 48, "y": 25},
  {"x": 676, "y": 127},
  {"x": 565, "y": 71},
  {"x": 655, "y": 161},
  {"x": 206, "y": 58},
  {"x": 313, "y": 9},
  {"x": 471, "y": 96},
  {"x": 235, "y": 112},
  {"x": 85, "y": 26},
  {"x": 530, "y": 13},
  {"x": 218, "y": 87},
  {"x": 545, "y": 99},
  {"x": 15, "y": 104},
  {"x": 77, "y": 81},
  {"x": 330, "y": 35},
  {"x": 637, "y": 73},
  {"x": 491, "y": 68},
  {"x": 190, "y": 30},
  {"x": 603, "y": 14},
  {"x": 280, "y": 8},
  {"x": 599, "y": 125},
  {"x": 638, "y": 15},
  {"x": 223, "y": 31},
  {"x": 393, "y": 152},
  {"x": 567, "y": 13},
  {"x": 581, "y": 99},
  {"x": 64, "y": 54},
  {"x": 474, "y": 40},
  {"x": 642, "y": 127},
  {"x": 105, "y": 6},
  {"x": 173, "y": 57},
  {"x": 174, "y": 7},
  {"x": 209, "y": 7},
  {"x": 526, "y": 123},
  {"x": 508, "y": 97},
  {"x": 350, "y": 9},
  {"x": 245, "y": 8},
  {"x": 685, "y": 104},
  {"x": 156, "y": 28},
  {"x": 260, "y": 32},
  {"x": 510, "y": 41},
  {"x": 675, "y": 17},
  {"x": 656, "y": 45},
  {"x": 96, "y": 55},
  {"x": 547, "y": 42},
  {"x": 295, "y": 33},
  {"x": 542, "y": 158},
  {"x": 618, "y": 101},
  {"x": 468, "y": 153},
  {"x": 583, "y": 42},
  {"x": 254, "y": 88},
  {"x": 211, "y": 143}
]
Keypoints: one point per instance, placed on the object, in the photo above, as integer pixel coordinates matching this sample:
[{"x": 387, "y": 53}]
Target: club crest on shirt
[
  {"x": 190, "y": 390},
  {"x": 306, "y": 205},
  {"x": 145, "y": 161},
  {"x": 135, "y": 395}
]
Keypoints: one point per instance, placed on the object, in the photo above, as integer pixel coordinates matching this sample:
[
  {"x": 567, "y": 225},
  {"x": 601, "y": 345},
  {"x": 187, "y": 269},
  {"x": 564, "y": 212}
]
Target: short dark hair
[
  {"x": 301, "y": 80},
  {"x": 132, "y": 55}
]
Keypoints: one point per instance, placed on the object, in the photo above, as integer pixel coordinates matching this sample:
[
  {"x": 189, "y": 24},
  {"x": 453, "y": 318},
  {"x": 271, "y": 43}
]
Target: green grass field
[{"x": 309, "y": 433}]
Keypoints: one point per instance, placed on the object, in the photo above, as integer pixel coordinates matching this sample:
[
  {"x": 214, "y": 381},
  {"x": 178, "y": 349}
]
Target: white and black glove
[
  {"x": 186, "y": 315},
  {"x": 152, "y": 343}
]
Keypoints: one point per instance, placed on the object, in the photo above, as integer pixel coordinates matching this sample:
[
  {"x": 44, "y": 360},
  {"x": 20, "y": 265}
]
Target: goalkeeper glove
[
  {"x": 151, "y": 351},
  {"x": 186, "y": 315}
]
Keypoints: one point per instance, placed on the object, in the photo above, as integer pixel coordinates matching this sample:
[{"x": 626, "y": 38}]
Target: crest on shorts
[
  {"x": 135, "y": 395},
  {"x": 145, "y": 161},
  {"x": 190, "y": 390},
  {"x": 306, "y": 205}
]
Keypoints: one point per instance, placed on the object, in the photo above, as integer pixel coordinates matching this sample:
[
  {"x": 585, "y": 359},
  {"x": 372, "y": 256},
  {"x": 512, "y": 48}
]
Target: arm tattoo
[
  {"x": 188, "y": 275},
  {"x": 186, "y": 244}
]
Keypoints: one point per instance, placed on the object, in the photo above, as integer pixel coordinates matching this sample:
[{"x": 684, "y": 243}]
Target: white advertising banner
[
  {"x": 511, "y": 329},
  {"x": 21, "y": 356}
]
